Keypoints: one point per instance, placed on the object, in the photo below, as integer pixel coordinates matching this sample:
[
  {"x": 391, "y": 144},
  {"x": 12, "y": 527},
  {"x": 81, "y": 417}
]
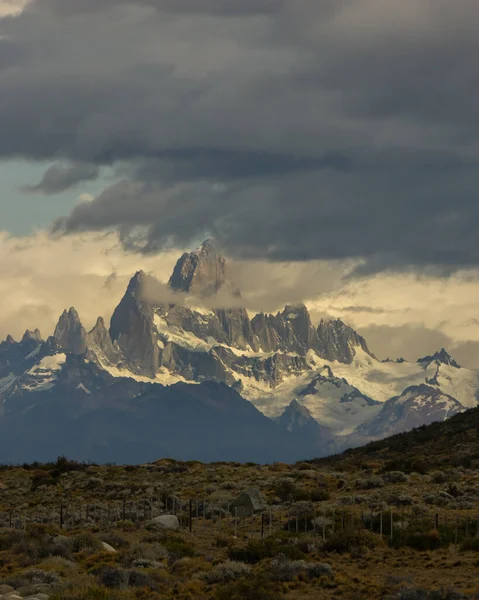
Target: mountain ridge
[{"x": 320, "y": 382}]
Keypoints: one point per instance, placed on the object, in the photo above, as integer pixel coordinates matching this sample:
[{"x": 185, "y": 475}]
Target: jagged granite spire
[
  {"x": 201, "y": 272},
  {"x": 132, "y": 327},
  {"x": 34, "y": 336},
  {"x": 442, "y": 356},
  {"x": 100, "y": 344},
  {"x": 70, "y": 333},
  {"x": 338, "y": 341}
]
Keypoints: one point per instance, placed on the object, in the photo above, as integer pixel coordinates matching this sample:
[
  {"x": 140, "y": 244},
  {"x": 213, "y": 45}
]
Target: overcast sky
[{"x": 330, "y": 146}]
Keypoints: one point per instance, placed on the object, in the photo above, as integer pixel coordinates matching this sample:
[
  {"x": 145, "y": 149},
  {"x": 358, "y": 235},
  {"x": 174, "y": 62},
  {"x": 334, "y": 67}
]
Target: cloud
[
  {"x": 11, "y": 7},
  {"x": 300, "y": 130},
  {"x": 42, "y": 277},
  {"x": 59, "y": 178},
  {"x": 400, "y": 315}
]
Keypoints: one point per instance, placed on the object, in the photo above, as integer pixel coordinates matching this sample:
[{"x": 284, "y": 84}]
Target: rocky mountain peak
[
  {"x": 32, "y": 336},
  {"x": 442, "y": 356},
  {"x": 9, "y": 340},
  {"x": 201, "y": 272},
  {"x": 70, "y": 333},
  {"x": 100, "y": 345},
  {"x": 131, "y": 327},
  {"x": 338, "y": 341}
]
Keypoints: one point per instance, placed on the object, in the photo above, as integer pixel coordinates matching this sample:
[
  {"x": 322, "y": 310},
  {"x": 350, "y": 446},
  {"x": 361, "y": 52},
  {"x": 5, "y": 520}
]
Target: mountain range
[{"x": 200, "y": 378}]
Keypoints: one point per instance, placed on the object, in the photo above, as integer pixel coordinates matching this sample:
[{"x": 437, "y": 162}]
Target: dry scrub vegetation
[{"x": 76, "y": 531}]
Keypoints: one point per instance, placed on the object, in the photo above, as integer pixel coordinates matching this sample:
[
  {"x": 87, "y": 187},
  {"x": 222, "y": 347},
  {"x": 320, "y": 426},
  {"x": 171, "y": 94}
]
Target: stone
[
  {"x": 6, "y": 589},
  {"x": 34, "y": 589},
  {"x": 107, "y": 547},
  {"x": 164, "y": 522}
]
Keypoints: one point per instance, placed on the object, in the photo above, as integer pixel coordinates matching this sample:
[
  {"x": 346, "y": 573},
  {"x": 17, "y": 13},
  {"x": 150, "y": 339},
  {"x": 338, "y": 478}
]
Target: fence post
[
  {"x": 437, "y": 521},
  {"x": 455, "y": 535},
  {"x": 191, "y": 515}
]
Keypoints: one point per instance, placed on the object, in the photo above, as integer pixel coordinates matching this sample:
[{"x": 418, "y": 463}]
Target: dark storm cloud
[
  {"x": 59, "y": 178},
  {"x": 290, "y": 130}
]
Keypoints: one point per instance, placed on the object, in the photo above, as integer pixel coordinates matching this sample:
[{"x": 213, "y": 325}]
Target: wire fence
[{"x": 194, "y": 514}]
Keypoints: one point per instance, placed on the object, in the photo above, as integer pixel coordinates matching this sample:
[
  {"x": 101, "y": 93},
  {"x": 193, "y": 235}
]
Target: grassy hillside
[
  {"x": 451, "y": 443},
  {"x": 397, "y": 520}
]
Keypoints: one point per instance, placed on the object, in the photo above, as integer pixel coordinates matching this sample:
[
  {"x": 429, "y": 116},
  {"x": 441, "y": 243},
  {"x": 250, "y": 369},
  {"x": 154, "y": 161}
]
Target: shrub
[
  {"x": 228, "y": 571},
  {"x": 84, "y": 542},
  {"x": 395, "y": 477},
  {"x": 369, "y": 484},
  {"x": 40, "y": 576},
  {"x": 287, "y": 570},
  {"x": 145, "y": 563},
  {"x": 284, "y": 487},
  {"x": 257, "y": 550},
  {"x": 114, "y": 577},
  {"x": 438, "y": 477},
  {"x": 470, "y": 544},
  {"x": 440, "y": 499},
  {"x": 223, "y": 541},
  {"x": 178, "y": 548},
  {"x": 247, "y": 589},
  {"x": 423, "y": 541},
  {"x": 400, "y": 500},
  {"x": 420, "y": 594},
  {"x": 319, "y": 495},
  {"x": 345, "y": 541}
]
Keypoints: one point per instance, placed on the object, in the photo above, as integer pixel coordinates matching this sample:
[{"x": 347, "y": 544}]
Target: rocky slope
[{"x": 321, "y": 384}]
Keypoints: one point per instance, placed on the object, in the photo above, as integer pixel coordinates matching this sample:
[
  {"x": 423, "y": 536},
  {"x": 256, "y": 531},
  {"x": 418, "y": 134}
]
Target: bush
[
  {"x": 178, "y": 548},
  {"x": 395, "y": 477},
  {"x": 423, "y": 541},
  {"x": 420, "y": 594},
  {"x": 84, "y": 542},
  {"x": 470, "y": 544},
  {"x": 228, "y": 571},
  {"x": 440, "y": 499},
  {"x": 400, "y": 500},
  {"x": 114, "y": 577},
  {"x": 247, "y": 589},
  {"x": 345, "y": 541},
  {"x": 438, "y": 477},
  {"x": 287, "y": 570},
  {"x": 257, "y": 550},
  {"x": 145, "y": 563},
  {"x": 319, "y": 495},
  {"x": 369, "y": 484}
]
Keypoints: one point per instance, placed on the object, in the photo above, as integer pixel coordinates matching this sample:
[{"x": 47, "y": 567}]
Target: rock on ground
[{"x": 164, "y": 522}]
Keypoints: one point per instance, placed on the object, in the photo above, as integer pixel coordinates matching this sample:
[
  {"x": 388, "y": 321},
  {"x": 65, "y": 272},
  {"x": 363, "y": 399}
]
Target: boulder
[
  {"x": 6, "y": 589},
  {"x": 164, "y": 522},
  {"x": 107, "y": 547}
]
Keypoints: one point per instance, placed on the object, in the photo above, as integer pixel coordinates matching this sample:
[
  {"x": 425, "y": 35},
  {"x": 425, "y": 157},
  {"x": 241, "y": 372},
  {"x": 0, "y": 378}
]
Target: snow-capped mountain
[{"x": 321, "y": 380}]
